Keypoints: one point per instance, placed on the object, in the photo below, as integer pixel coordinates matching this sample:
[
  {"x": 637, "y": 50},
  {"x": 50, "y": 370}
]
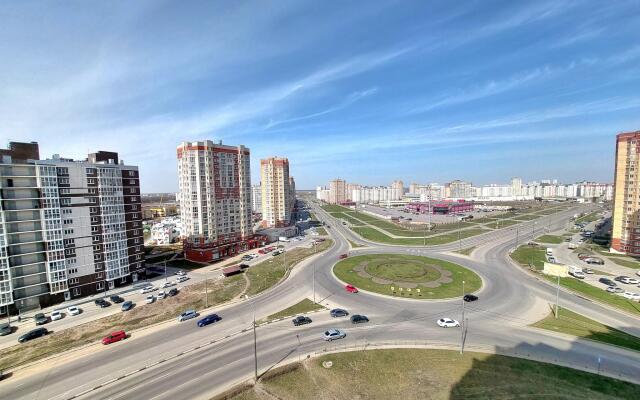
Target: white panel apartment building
[
  {"x": 67, "y": 228},
  {"x": 215, "y": 199}
]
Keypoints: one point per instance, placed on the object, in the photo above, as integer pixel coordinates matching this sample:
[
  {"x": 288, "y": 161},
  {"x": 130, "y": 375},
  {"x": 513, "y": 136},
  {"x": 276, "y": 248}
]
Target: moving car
[
  {"x": 448, "y": 323},
  {"x": 167, "y": 284},
  {"x": 150, "y": 299},
  {"x": 301, "y": 320},
  {"x": 470, "y": 297},
  {"x": 359, "y": 319},
  {"x": 182, "y": 278},
  {"x": 173, "y": 292},
  {"x": 33, "y": 334},
  {"x": 5, "y": 329},
  {"x": 127, "y": 305},
  {"x": 351, "y": 289},
  {"x": 40, "y": 319},
  {"x": 116, "y": 299},
  {"x": 247, "y": 258},
  {"x": 102, "y": 303},
  {"x": 333, "y": 334},
  {"x": 114, "y": 337},
  {"x": 342, "y": 256},
  {"x": 187, "y": 315},
  {"x": 209, "y": 319},
  {"x": 147, "y": 289},
  {"x": 338, "y": 312},
  {"x": 73, "y": 310}
]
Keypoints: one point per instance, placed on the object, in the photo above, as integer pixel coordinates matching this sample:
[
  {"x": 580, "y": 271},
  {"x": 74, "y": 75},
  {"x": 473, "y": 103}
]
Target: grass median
[
  {"x": 430, "y": 374},
  {"x": 572, "y": 323},
  {"x": 189, "y": 297},
  {"x": 550, "y": 239},
  {"x": 531, "y": 256},
  {"x": 269, "y": 272},
  {"x": 302, "y": 307}
]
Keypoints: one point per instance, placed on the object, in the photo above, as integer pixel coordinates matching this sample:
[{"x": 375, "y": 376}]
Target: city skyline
[{"x": 399, "y": 101}]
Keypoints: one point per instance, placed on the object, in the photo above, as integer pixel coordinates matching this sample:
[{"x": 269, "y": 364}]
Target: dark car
[
  {"x": 339, "y": 312},
  {"x": 5, "y": 329},
  {"x": 209, "y": 319},
  {"x": 33, "y": 334},
  {"x": 359, "y": 319},
  {"x": 40, "y": 319},
  {"x": 607, "y": 281},
  {"x": 116, "y": 299},
  {"x": 470, "y": 297},
  {"x": 173, "y": 292},
  {"x": 127, "y": 305},
  {"x": 244, "y": 266},
  {"x": 301, "y": 320},
  {"x": 102, "y": 303}
]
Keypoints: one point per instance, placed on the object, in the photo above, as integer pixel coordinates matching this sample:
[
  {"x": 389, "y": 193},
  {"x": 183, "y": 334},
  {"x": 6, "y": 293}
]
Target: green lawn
[
  {"x": 551, "y": 239},
  {"x": 598, "y": 294},
  {"x": 466, "y": 251},
  {"x": 406, "y": 268},
  {"x": 530, "y": 256},
  {"x": 269, "y": 272},
  {"x": 302, "y": 307},
  {"x": 377, "y": 236},
  {"x": 321, "y": 231},
  {"x": 594, "y": 216},
  {"x": 526, "y": 217},
  {"x": 575, "y": 324},
  {"x": 334, "y": 208},
  {"x": 503, "y": 223},
  {"x": 416, "y": 374},
  {"x": 354, "y": 244},
  {"x": 625, "y": 263}
]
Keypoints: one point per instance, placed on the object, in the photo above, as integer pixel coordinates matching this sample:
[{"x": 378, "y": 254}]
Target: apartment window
[
  {"x": 67, "y": 211},
  {"x": 65, "y": 201},
  {"x": 136, "y": 240},
  {"x": 132, "y": 181},
  {"x": 76, "y": 291},
  {"x": 100, "y": 286},
  {"x": 65, "y": 191},
  {"x": 94, "y": 220},
  {"x": 63, "y": 181},
  {"x": 132, "y": 190},
  {"x": 69, "y": 242},
  {"x": 91, "y": 171},
  {"x": 68, "y": 231},
  {"x": 123, "y": 279},
  {"x": 69, "y": 252},
  {"x": 96, "y": 248},
  {"x": 138, "y": 257},
  {"x": 136, "y": 232},
  {"x": 67, "y": 221},
  {"x": 93, "y": 210},
  {"x": 96, "y": 238},
  {"x": 131, "y": 173},
  {"x": 93, "y": 200},
  {"x": 73, "y": 271},
  {"x": 97, "y": 257},
  {"x": 74, "y": 281}
]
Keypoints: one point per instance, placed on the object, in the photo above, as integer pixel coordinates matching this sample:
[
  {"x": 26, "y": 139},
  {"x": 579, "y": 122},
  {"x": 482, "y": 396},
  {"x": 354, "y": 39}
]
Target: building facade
[
  {"x": 68, "y": 228},
  {"x": 278, "y": 197},
  {"x": 214, "y": 182},
  {"x": 625, "y": 234},
  {"x": 256, "y": 198},
  {"x": 337, "y": 191}
]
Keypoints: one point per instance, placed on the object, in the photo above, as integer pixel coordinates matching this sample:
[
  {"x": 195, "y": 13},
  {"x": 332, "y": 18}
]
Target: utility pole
[
  {"x": 314, "y": 284},
  {"x": 206, "y": 293},
  {"x": 517, "y": 236},
  {"x": 255, "y": 341},
  {"x": 557, "y": 295},
  {"x": 459, "y": 242},
  {"x": 165, "y": 270},
  {"x": 462, "y": 321}
]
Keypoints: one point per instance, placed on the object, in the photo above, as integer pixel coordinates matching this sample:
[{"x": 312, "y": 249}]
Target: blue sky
[{"x": 368, "y": 91}]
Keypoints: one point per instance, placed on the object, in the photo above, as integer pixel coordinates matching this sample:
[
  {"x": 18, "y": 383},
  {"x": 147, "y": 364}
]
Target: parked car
[
  {"x": 180, "y": 272},
  {"x": 351, "y": 289},
  {"x": 73, "y": 310},
  {"x": 470, "y": 298},
  {"x": 209, "y": 319},
  {"x": 56, "y": 315},
  {"x": 147, "y": 289},
  {"x": 182, "y": 278},
  {"x": 342, "y": 256},
  {"x": 607, "y": 281},
  {"x": 577, "y": 274},
  {"x": 247, "y": 258},
  {"x": 359, "y": 319},
  {"x": 40, "y": 319},
  {"x": 588, "y": 271},
  {"x": 333, "y": 334},
  {"x": 187, "y": 315},
  {"x": 301, "y": 320},
  {"x": 161, "y": 295},
  {"x": 150, "y": 299},
  {"x": 127, "y": 305},
  {"x": 116, "y": 299},
  {"x": 114, "y": 337},
  {"x": 167, "y": 284},
  {"x": 614, "y": 289},
  {"x": 594, "y": 260},
  {"x": 102, "y": 303},
  {"x": 447, "y": 323},
  {"x": 338, "y": 312},
  {"x": 631, "y": 296},
  {"x": 173, "y": 292},
  {"x": 627, "y": 280},
  {"x": 33, "y": 334},
  {"x": 5, "y": 329}
]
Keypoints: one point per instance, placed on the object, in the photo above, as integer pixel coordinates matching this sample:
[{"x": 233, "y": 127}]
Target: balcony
[
  {"x": 21, "y": 215},
  {"x": 30, "y": 204},
  {"x": 20, "y": 227},
  {"x": 33, "y": 269},
  {"x": 31, "y": 291},
  {"x": 27, "y": 237},
  {"x": 26, "y": 248},
  {"x": 28, "y": 259},
  {"x": 30, "y": 280}
]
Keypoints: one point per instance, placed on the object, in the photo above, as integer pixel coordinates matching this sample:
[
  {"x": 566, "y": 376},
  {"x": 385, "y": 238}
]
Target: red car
[
  {"x": 342, "y": 256},
  {"x": 351, "y": 289},
  {"x": 114, "y": 337}
]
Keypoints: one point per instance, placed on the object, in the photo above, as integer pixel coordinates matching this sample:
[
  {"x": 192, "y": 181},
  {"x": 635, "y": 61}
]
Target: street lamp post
[
  {"x": 314, "y": 284},
  {"x": 557, "y": 295},
  {"x": 462, "y": 321}
]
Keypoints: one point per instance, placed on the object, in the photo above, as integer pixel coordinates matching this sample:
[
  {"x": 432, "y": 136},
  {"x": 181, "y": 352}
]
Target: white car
[
  {"x": 147, "y": 289},
  {"x": 182, "y": 278},
  {"x": 187, "y": 315},
  {"x": 167, "y": 284},
  {"x": 448, "y": 323},
  {"x": 161, "y": 295},
  {"x": 631, "y": 296},
  {"x": 333, "y": 334},
  {"x": 56, "y": 315},
  {"x": 181, "y": 273},
  {"x": 629, "y": 281},
  {"x": 150, "y": 299},
  {"x": 73, "y": 310}
]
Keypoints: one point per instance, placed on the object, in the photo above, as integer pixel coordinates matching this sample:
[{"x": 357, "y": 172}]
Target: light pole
[
  {"x": 255, "y": 341},
  {"x": 459, "y": 242},
  {"x": 517, "y": 236},
  {"x": 462, "y": 321},
  {"x": 314, "y": 284},
  {"x": 206, "y": 293},
  {"x": 557, "y": 295}
]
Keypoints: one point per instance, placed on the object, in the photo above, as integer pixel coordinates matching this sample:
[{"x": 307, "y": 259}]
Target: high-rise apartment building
[
  {"x": 278, "y": 197},
  {"x": 337, "y": 191},
  {"x": 215, "y": 199},
  {"x": 460, "y": 190},
  {"x": 625, "y": 235},
  {"x": 256, "y": 198},
  {"x": 67, "y": 228},
  {"x": 398, "y": 186}
]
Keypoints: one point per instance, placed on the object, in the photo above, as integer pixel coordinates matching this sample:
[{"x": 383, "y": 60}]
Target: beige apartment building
[
  {"x": 338, "y": 191},
  {"x": 625, "y": 235},
  {"x": 278, "y": 192}
]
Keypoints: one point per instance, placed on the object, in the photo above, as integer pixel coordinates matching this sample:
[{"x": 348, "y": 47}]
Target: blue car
[{"x": 209, "y": 319}]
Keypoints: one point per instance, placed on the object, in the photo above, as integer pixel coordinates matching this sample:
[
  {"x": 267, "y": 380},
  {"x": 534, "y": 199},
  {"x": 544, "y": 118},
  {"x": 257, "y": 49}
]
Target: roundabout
[{"x": 407, "y": 276}]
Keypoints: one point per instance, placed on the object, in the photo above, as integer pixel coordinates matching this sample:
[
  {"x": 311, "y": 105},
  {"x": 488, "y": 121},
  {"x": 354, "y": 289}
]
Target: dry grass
[{"x": 189, "y": 297}]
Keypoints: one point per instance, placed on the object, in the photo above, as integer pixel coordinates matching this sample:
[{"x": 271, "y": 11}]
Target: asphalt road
[{"x": 200, "y": 362}]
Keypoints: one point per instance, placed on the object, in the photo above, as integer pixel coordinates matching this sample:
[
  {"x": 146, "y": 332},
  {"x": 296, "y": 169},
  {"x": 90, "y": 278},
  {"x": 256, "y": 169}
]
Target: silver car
[{"x": 333, "y": 334}]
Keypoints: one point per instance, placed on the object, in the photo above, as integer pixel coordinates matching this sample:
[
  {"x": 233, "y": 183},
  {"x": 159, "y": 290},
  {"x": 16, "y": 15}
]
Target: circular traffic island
[{"x": 407, "y": 276}]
